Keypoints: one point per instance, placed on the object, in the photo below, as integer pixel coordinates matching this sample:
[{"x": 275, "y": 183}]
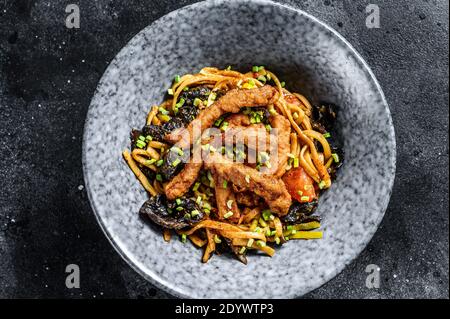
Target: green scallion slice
[
  {"x": 176, "y": 162},
  {"x": 196, "y": 186},
  {"x": 335, "y": 157},
  {"x": 228, "y": 215}
]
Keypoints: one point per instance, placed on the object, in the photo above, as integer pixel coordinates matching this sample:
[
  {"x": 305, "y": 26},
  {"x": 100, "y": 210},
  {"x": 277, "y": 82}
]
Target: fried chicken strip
[
  {"x": 225, "y": 198},
  {"x": 231, "y": 102},
  {"x": 283, "y": 127},
  {"x": 179, "y": 185},
  {"x": 271, "y": 189}
]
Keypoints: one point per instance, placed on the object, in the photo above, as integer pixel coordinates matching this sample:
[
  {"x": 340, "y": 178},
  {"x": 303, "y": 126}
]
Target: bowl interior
[{"x": 313, "y": 60}]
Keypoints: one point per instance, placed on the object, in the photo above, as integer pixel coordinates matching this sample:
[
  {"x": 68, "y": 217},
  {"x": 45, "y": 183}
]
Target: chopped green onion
[
  {"x": 140, "y": 144},
  {"x": 197, "y": 101},
  {"x": 180, "y": 103},
  {"x": 159, "y": 177},
  {"x": 242, "y": 250},
  {"x": 206, "y": 205},
  {"x": 199, "y": 199},
  {"x": 266, "y": 214},
  {"x": 183, "y": 238},
  {"x": 255, "y": 68},
  {"x": 218, "y": 121},
  {"x": 272, "y": 111},
  {"x": 148, "y": 138},
  {"x": 258, "y": 230},
  {"x": 300, "y": 193},
  {"x": 289, "y": 227},
  {"x": 321, "y": 184},
  {"x": 187, "y": 215},
  {"x": 176, "y": 162},
  {"x": 209, "y": 175},
  {"x": 228, "y": 215},
  {"x": 296, "y": 162},
  {"x": 225, "y": 184},
  {"x": 268, "y": 233},
  {"x": 163, "y": 111},
  {"x": 177, "y": 79},
  {"x": 150, "y": 161},
  {"x": 213, "y": 96},
  {"x": 262, "y": 78},
  {"x": 170, "y": 91},
  {"x": 304, "y": 198},
  {"x": 224, "y": 126},
  {"x": 327, "y": 135},
  {"x": 335, "y": 157},
  {"x": 217, "y": 240},
  {"x": 261, "y": 243},
  {"x": 277, "y": 240},
  {"x": 250, "y": 242},
  {"x": 293, "y": 232},
  {"x": 186, "y": 88},
  {"x": 179, "y": 208},
  {"x": 160, "y": 162},
  {"x": 196, "y": 186},
  {"x": 268, "y": 127},
  {"x": 230, "y": 203},
  {"x": 178, "y": 201},
  {"x": 141, "y": 138},
  {"x": 177, "y": 150},
  {"x": 286, "y": 238},
  {"x": 195, "y": 213},
  {"x": 228, "y": 68},
  {"x": 283, "y": 84}
]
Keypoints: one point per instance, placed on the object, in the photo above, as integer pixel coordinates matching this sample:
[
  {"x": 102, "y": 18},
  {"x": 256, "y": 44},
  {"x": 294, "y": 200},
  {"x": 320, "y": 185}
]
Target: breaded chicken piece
[
  {"x": 238, "y": 120},
  {"x": 225, "y": 198},
  {"x": 283, "y": 127},
  {"x": 247, "y": 198},
  {"x": 231, "y": 102},
  {"x": 179, "y": 185},
  {"x": 270, "y": 188}
]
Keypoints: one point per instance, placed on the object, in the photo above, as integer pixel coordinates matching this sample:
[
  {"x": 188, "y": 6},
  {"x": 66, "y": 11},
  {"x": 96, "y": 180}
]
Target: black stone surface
[{"x": 48, "y": 74}]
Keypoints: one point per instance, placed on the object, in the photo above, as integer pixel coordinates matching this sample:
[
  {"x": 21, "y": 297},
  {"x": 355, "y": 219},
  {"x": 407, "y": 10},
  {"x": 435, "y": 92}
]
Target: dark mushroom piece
[
  {"x": 301, "y": 213},
  {"x": 181, "y": 213}
]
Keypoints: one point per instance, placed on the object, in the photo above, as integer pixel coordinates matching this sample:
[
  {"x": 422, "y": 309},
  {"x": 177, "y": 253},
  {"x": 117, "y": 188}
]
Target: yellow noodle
[
  {"x": 152, "y": 114},
  {"x": 140, "y": 176}
]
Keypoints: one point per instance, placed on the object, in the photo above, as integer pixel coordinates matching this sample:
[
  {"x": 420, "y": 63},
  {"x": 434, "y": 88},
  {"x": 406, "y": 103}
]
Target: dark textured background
[{"x": 48, "y": 75}]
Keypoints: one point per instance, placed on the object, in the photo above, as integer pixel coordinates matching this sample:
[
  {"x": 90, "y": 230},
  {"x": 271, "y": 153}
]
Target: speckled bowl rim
[{"x": 168, "y": 286}]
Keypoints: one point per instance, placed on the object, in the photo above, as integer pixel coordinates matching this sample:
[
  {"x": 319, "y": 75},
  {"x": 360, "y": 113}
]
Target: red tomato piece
[{"x": 299, "y": 185}]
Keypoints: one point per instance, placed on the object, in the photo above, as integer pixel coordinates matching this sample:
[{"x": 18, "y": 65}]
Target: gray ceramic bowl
[{"x": 313, "y": 59}]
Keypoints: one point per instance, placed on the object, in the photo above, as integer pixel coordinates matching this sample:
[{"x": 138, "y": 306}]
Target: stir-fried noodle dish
[{"x": 234, "y": 162}]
